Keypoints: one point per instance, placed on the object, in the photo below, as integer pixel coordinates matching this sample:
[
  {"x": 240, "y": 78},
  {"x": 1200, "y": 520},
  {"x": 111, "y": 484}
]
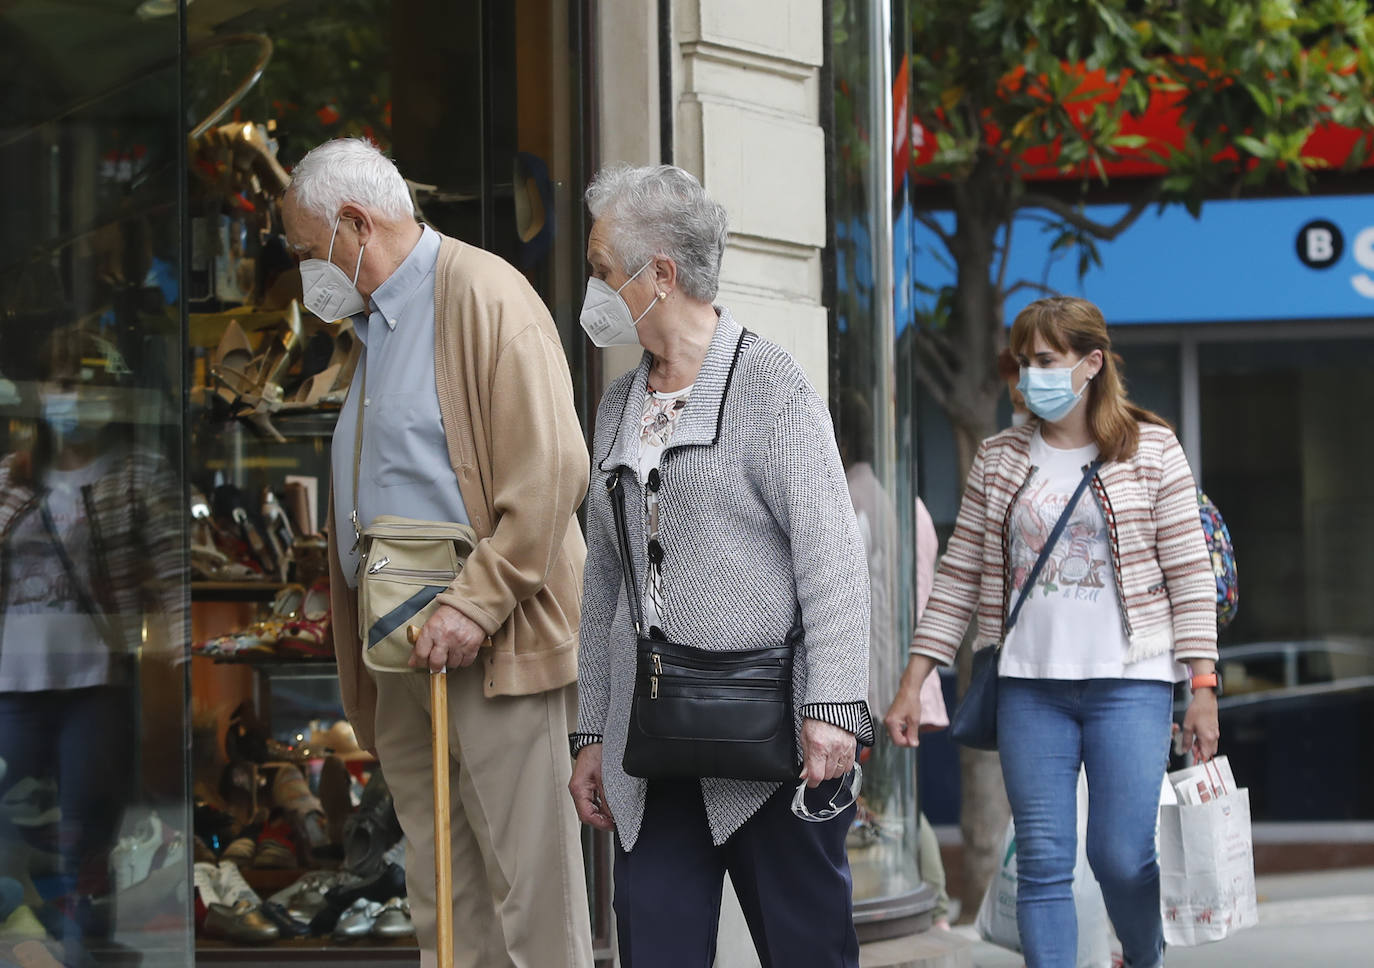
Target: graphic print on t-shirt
[{"x": 1076, "y": 569}]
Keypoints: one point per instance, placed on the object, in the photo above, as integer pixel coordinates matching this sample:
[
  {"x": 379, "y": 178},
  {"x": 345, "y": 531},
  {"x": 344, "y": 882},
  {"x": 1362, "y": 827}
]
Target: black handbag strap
[
  {"x": 1050, "y": 543},
  {"x": 617, "y": 493},
  {"x": 616, "y": 487}
]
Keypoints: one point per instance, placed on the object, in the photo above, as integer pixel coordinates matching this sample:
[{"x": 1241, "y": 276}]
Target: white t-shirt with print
[{"x": 1070, "y": 626}]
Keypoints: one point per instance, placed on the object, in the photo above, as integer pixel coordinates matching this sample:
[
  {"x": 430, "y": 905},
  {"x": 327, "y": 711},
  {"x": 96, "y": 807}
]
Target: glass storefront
[
  {"x": 869, "y": 412},
  {"x": 94, "y": 810},
  {"x": 147, "y": 298}
]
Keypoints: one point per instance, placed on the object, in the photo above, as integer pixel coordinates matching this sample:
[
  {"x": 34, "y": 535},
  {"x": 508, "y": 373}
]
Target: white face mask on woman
[{"x": 606, "y": 317}]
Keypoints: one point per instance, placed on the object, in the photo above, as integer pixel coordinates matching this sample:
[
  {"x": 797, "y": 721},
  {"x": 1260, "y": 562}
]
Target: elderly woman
[{"x": 740, "y": 536}]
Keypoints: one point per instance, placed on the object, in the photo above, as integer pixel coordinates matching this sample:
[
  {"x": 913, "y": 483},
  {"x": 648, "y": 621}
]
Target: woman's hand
[
  {"x": 827, "y": 751},
  {"x": 589, "y": 796},
  {"x": 1201, "y": 731},
  {"x": 903, "y": 719}
]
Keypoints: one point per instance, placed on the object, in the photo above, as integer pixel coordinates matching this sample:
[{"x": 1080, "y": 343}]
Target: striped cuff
[
  {"x": 853, "y": 716},
  {"x": 578, "y": 741}
]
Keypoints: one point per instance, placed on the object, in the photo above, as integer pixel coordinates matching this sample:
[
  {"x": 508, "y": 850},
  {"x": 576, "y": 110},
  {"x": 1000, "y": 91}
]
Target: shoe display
[
  {"x": 391, "y": 882},
  {"x": 204, "y": 877},
  {"x": 309, "y": 634},
  {"x": 372, "y": 830},
  {"x": 261, "y": 637},
  {"x": 356, "y": 921},
  {"x": 394, "y": 920},
  {"x": 288, "y": 925},
  {"x": 335, "y": 788},
  {"x": 291, "y": 793},
  {"x": 242, "y": 852},
  {"x": 242, "y": 924},
  {"x": 153, "y": 846},
  {"x": 276, "y": 848},
  {"x": 232, "y": 886}
]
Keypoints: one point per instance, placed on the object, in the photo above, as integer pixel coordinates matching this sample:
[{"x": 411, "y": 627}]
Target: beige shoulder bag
[{"x": 403, "y": 564}]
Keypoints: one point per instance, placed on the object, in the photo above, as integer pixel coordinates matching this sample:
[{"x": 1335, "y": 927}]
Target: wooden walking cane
[{"x": 443, "y": 839}]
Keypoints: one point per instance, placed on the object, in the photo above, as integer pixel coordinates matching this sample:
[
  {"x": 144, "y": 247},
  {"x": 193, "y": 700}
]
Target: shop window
[{"x": 94, "y": 817}]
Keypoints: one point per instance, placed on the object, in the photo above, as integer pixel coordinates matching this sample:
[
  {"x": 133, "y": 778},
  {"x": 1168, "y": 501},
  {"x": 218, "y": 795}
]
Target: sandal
[{"x": 309, "y": 634}]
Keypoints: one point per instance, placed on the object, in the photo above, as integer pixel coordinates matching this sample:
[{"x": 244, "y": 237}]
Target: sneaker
[{"x": 131, "y": 860}]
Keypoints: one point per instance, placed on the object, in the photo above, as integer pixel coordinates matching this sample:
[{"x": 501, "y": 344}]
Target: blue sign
[{"x": 1260, "y": 259}]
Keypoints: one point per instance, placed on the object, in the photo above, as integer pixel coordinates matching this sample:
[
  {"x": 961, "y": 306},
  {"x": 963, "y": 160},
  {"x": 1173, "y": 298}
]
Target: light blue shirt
[{"x": 405, "y": 461}]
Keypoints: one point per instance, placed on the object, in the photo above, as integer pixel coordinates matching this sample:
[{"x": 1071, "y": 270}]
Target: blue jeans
[{"x": 1118, "y": 729}]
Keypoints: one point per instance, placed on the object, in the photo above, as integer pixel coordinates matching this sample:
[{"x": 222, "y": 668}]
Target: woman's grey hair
[
  {"x": 661, "y": 210},
  {"x": 350, "y": 170}
]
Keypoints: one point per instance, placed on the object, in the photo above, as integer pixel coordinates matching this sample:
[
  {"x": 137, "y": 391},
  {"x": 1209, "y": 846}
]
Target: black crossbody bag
[{"x": 697, "y": 712}]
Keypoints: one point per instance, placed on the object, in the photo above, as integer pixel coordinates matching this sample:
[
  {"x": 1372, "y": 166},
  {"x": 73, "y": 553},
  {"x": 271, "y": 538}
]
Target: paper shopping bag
[{"x": 1206, "y": 869}]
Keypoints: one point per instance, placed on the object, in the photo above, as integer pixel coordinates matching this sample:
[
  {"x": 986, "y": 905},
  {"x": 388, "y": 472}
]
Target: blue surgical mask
[
  {"x": 1049, "y": 391},
  {"x": 75, "y": 418}
]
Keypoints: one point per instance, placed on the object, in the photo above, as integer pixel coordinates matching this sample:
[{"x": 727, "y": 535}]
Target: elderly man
[{"x": 468, "y": 418}]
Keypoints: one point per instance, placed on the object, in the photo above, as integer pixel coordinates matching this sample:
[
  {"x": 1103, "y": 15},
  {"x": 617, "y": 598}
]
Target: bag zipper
[
  {"x": 764, "y": 685},
  {"x": 381, "y": 564}
]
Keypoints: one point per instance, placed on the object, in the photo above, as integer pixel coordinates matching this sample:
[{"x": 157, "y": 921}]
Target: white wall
[{"x": 746, "y": 122}]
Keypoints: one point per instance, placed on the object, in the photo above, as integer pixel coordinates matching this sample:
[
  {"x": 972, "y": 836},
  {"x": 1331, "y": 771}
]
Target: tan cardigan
[{"x": 517, "y": 449}]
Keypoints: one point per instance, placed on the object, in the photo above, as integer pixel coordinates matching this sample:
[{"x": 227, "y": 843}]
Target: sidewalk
[{"x": 1321, "y": 919}]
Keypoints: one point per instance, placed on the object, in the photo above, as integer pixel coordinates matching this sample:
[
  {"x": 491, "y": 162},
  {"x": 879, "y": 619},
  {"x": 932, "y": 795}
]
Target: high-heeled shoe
[{"x": 309, "y": 634}]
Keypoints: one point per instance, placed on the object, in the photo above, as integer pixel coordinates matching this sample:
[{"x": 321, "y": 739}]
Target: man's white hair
[{"x": 350, "y": 170}]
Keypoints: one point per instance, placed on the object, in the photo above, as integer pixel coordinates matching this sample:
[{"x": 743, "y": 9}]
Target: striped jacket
[
  {"x": 137, "y": 551},
  {"x": 1163, "y": 573}
]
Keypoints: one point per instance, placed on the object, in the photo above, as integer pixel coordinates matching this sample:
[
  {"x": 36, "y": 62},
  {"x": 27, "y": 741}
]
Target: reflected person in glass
[
  {"x": 739, "y": 520},
  {"x": 90, "y": 540}
]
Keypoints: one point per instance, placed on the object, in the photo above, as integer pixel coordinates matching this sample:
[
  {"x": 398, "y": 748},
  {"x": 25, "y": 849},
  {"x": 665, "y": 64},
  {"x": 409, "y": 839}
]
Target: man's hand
[
  {"x": 449, "y": 640},
  {"x": 589, "y": 796},
  {"x": 1201, "y": 731},
  {"x": 903, "y": 719},
  {"x": 827, "y": 752}
]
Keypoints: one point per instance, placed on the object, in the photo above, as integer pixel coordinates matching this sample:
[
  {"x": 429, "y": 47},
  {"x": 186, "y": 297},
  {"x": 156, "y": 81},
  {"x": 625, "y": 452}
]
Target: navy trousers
[{"x": 792, "y": 878}]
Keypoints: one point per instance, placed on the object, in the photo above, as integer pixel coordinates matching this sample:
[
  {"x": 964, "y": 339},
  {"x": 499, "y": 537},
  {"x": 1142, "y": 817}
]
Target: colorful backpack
[{"x": 1223, "y": 559}]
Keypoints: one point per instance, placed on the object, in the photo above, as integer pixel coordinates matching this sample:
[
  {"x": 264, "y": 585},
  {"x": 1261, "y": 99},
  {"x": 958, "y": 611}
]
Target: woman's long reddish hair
[{"x": 1072, "y": 325}]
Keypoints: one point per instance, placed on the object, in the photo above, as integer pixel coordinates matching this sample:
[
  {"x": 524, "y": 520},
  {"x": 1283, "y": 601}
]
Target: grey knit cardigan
[{"x": 755, "y": 519}]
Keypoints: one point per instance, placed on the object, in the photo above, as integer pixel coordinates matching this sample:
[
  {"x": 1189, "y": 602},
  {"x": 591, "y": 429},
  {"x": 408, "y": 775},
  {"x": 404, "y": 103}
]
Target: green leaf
[{"x": 1257, "y": 147}]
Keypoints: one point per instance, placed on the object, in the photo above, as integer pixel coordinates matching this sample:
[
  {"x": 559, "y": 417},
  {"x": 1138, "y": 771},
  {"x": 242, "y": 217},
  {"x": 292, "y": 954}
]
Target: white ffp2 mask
[
  {"x": 605, "y": 316},
  {"x": 328, "y": 292}
]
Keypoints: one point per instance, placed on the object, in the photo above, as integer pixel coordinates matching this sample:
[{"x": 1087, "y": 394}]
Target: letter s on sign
[{"x": 1364, "y": 255}]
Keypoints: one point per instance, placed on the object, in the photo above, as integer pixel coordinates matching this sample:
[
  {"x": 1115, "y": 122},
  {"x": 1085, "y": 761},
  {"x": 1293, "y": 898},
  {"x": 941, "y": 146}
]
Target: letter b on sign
[{"x": 1320, "y": 244}]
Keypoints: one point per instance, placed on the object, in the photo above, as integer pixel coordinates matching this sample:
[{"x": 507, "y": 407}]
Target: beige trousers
[{"x": 519, "y": 891}]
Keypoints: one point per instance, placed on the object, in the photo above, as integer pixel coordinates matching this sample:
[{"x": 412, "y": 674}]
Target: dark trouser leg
[
  {"x": 667, "y": 889},
  {"x": 793, "y": 882}
]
